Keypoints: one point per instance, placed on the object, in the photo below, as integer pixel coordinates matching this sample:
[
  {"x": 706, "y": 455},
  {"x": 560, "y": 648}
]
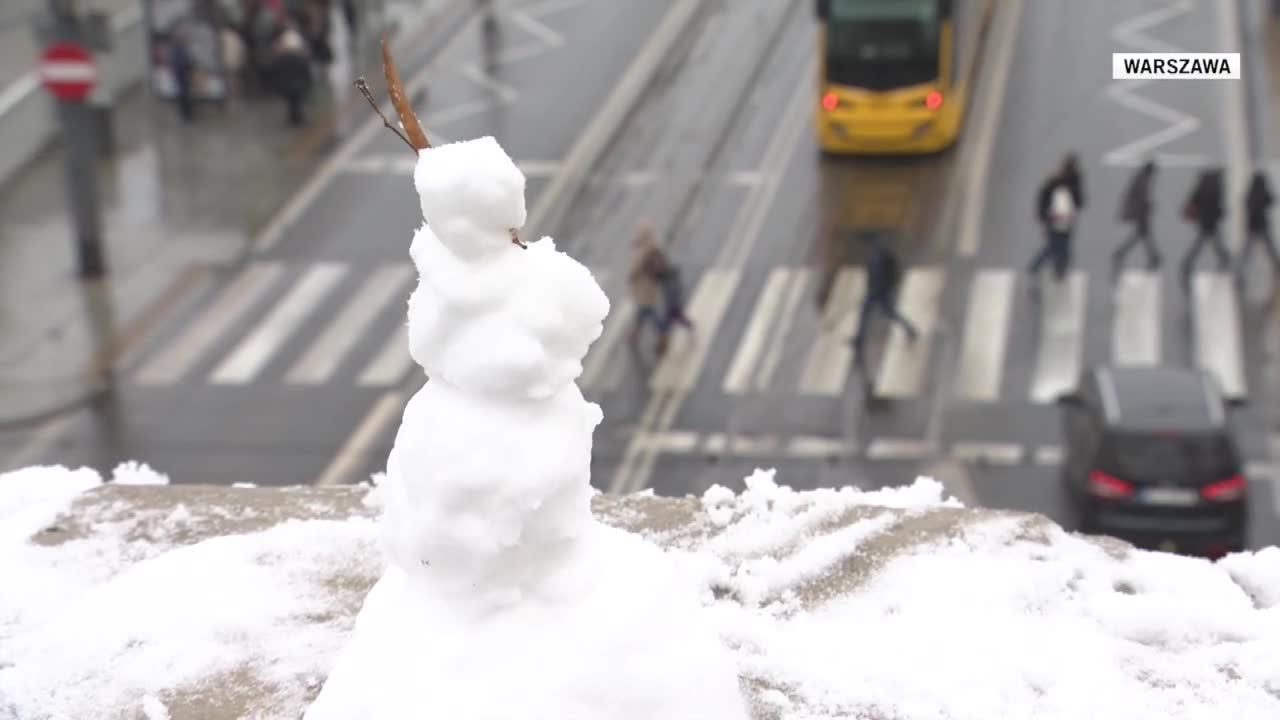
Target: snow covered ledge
[{"x": 124, "y": 601}]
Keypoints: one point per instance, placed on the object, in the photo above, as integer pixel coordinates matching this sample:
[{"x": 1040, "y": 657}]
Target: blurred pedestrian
[
  {"x": 291, "y": 71},
  {"x": 672, "y": 285},
  {"x": 182, "y": 65},
  {"x": 1204, "y": 208},
  {"x": 1136, "y": 208},
  {"x": 1257, "y": 204},
  {"x": 1058, "y": 204},
  {"x": 234, "y": 58},
  {"x": 645, "y": 286},
  {"x": 884, "y": 272}
]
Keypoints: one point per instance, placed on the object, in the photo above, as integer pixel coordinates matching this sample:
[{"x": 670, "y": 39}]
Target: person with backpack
[
  {"x": 644, "y": 284},
  {"x": 883, "y": 276},
  {"x": 1058, "y": 203},
  {"x": 1136, "y": 208},
  {"x": 1204, "y": 208},
  {"x": 1257, "y": 204}
]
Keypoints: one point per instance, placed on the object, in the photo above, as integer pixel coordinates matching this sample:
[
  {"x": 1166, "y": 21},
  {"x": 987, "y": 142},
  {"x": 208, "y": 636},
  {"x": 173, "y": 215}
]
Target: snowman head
[{"x": 472, "y": 195}]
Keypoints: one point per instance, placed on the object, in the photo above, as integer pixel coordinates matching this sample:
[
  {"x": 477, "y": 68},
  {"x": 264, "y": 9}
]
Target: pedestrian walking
[
  {"x": 1058, "y": 204},
  {"x": 1205, "y": 209},
  {"x": 183, "y": 67},
  {"x": 645, "y": 286},
  {"x": 883, "y": 274},
  {"x": 1136, "y": 208},
  {"x": 1257, "y": 205},
  {"x": 669, "y": 279},
  {"x": 291, "y": 71}
]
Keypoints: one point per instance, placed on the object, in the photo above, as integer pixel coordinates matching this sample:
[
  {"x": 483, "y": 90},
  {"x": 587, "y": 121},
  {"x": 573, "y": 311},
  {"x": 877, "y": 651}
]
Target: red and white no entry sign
[{"x": 68, "y": 71}]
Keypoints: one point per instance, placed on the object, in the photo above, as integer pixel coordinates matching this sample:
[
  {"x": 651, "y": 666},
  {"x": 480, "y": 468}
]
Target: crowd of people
[
  {"x": 267, "y": 46},
  {"x": 1061, "y": 199}
]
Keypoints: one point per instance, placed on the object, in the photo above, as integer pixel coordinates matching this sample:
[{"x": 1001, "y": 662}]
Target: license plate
[{"x": 1180, "y": 497}]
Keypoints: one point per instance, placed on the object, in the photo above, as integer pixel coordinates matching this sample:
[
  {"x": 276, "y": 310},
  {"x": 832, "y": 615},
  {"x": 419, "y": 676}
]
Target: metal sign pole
[{"x": 79, "y": 131}]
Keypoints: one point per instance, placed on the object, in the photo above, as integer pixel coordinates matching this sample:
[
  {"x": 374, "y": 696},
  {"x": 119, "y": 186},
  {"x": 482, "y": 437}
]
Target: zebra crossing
[{"x": 330, "y": 322}]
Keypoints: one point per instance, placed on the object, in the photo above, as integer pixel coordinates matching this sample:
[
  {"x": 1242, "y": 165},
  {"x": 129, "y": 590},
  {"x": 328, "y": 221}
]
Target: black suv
[{"x": 1150, "y": 458}]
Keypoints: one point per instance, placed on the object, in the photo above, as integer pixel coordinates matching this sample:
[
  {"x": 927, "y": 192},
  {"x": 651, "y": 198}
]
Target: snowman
[{"x": 503, "y": 598}]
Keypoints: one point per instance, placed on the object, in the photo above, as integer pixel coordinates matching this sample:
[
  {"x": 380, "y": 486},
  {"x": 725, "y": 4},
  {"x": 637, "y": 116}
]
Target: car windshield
[
  {"x": 1183, "y": 459},
  {"x": 882, "y": 44}
]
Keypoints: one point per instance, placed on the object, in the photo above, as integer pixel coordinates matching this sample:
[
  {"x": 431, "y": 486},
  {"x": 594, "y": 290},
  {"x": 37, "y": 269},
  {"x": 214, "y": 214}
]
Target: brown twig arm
[
  {"x": 363, "y": 87},
  {"x": 417, "y": 139}
]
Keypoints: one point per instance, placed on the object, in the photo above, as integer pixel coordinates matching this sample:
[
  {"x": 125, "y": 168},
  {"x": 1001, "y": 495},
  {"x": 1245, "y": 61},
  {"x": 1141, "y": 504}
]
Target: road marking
[
  {"x": 994, "y": 453},
  {"x": 256, "y": 350},
  {"x": 1058, "y": 364},
  {"x": 768, "y": 304},
  {"x": 815, "y": 446},
  {"x": 1177, "y": 123},
  {"x": 899, "y": 449},
  {"x": 326, "y": 353},
  {"x": 745, "y": 178},
  {"x": 1215, "y": 316},
  {"x": 537, "y": 29},
  {"x": 41, "y": 440},
  {"x": 1235, "y": 129},
  {"x": 660, "y": 413},
  {"x": 986, "y": 336},
  {"x": 185, "y": 350},
  {"x": 391, "y": 363},
  {"x": 782, "y": 329},
  {"x": 683, "y": 361},
  {"x": 741, "y": 445},
  {"x": 1135, "y": 332},
  {"x": 182, "y": 294},
  {"x": 520, "y": 53},
  {"x": 1049, "y": 455},
  {"x": 472, "y": 72},
  {"x": 827, "y": 369},
  {"x": 975, "y": 184},
  {"x": 549, "y": 7},
  {"x": 344, "y": 464},
  {"x": 902, "y": 371}
]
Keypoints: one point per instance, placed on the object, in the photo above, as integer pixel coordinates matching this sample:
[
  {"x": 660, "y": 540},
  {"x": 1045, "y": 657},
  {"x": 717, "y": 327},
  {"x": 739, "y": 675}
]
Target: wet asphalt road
[{"x": 721, "y": 155}]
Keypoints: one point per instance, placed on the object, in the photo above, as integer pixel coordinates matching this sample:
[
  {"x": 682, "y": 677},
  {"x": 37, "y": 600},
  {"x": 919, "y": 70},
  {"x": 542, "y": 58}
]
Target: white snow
[
  {"x": 95, "y": 627},
  {"x": 983, "y": 623},
  {"x": 503, "y": 593},
  {"x": 136, "y": 473}
]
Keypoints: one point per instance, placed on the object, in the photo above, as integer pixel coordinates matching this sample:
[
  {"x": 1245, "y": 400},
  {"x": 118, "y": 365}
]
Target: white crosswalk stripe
[
  {"x": 986, "y": 336},
  {"x": 391, "y": 363},
  {"x": 326, "y": 353},
  {"x": 827, "y": 368},
  {"x": 255, "y": 351},
  {"x": 902, "y": 371},
  {"x": 1135, "y": 337},
  {"x": 769, "y": 307},
  {"x": 1061, "y": 348},
  {"x": 1216, "y": 324},
  {"x": 169, "y": 366}
]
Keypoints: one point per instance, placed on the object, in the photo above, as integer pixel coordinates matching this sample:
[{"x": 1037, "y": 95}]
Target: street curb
[{"x": 568, "y": 183}]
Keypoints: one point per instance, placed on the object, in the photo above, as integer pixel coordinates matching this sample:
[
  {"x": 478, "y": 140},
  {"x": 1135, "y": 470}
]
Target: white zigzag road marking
[
  {"x": 537, "y": 29},
  {"x": 1178, "y": 123},
  {"x": 549, "y": 7}
]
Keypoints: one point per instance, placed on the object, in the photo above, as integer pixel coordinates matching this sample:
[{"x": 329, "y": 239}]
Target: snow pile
[
  {"x": 835, "y": 605},
  {"x": 503, "y": 595},
  {"x": 1010, "y": 617},
  {"x": 107, "y": 625}
]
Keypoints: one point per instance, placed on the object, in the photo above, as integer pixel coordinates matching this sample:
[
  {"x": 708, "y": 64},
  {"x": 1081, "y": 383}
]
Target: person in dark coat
[
  {"x": 291, "y": 71},
  {"x": 1205, "y": 208},
  {"x": 883, "y": 273},
  {"x": 183, "y": 67},
  {"x": 1136, "y": 208},
  {"x": 1058, "y": 203},
  {"x": 1257, "y": 205}
]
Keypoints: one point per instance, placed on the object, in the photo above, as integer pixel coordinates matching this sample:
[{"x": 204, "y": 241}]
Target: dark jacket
[
  {"x": 1073, "y": 183},
  {"x": 1206, "y": 202},
  {"x": 883, "y": 271},
  {"x": 1258, "y": 204},
  {"x": 1136, "y": 204}
]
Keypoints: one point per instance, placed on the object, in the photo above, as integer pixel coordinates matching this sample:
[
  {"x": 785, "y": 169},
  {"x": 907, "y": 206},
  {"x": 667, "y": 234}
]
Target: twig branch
[
  {"x": 417, "y": 139},
  {"x": 363, "y": 86}
]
